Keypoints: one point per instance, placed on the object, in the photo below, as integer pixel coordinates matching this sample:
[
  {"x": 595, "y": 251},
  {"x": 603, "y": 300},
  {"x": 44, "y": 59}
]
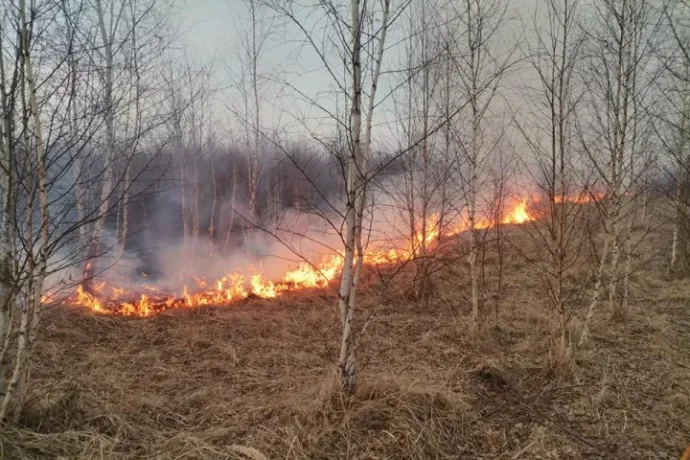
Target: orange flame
[
  {"x": 518, "y": 215},
  {"x": 237, "y": 286}
]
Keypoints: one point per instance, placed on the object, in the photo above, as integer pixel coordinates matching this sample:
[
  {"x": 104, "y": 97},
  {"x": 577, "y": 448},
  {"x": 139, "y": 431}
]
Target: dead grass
[{"x": 255, "y": 381}]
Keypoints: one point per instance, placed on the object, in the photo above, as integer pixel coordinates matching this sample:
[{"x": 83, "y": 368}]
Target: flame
[
  {"x": 309, "y": 276},
  {"x": 88, "y": 300},
  {"x": 518, "y": 215},
  {"x": 237, "y": 286},
  {"x": 582, "y": 198}
]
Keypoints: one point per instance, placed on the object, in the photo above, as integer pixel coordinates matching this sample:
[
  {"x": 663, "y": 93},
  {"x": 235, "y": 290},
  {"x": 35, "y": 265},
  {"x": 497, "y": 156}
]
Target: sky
[{"x": 215, "y": 30}]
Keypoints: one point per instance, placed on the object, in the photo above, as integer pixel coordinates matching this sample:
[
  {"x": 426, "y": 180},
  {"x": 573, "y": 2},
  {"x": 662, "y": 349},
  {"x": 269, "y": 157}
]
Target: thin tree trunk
[
  {"x": 424, "y": 285},
  {"x": 107, "y": 189},
  {"x": 211, "y": 224},
  {"x": 446, "y": 143},
  {"x": 626, "y": 84},
  {"x": 137, "y": 129},
  {"x": 677, "y": 222},
  {"x": 183, "y": 197},
  {"x": 595, "y": 294},
  {"x": 347, "y": 361},
  {"x": 7, "y": 281},
  {"x": 613, "y": 269},
  {"x": 232, "y": 209},
  {"x": 680, "y": 215},
  {"x": 474, "y": 52},
  {"x": 195, "y": 202},
  {"x": 120, "y": 191},
  {"x": 124, "y": 229},
  {"x": 631, "y": 208},
  {"x": 73, "y": 113},
  {"x": 31, "y": 310}
]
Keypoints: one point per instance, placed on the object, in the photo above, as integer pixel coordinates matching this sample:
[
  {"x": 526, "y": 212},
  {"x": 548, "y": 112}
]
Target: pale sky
[{"x": 210, "y": 29}]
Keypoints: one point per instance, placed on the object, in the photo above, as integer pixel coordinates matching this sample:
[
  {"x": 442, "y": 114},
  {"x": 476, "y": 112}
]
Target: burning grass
[
  {"x": 148, "y": 300},
  {"x": 215, "y": 383}
]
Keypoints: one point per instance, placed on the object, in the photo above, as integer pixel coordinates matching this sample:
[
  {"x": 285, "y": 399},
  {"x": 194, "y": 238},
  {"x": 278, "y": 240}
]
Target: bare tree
[
  {"x": 250, "y": 82},
  {"x": 128, "y": 42},
  {"x": 358, "y": 44},
  {"x": 192, "y": 130},
  {"x": 50, "y": 162},
  {"x": 37, "y": 259},
  {"x": 9, "y": 81},
  {"x": 618, "y": 59},
  {"x": 423, "y": 180},
  {"x": 674, "y": 118},
  {"x": 548, "y": 131},
  {"x": 480, "y": 68}
]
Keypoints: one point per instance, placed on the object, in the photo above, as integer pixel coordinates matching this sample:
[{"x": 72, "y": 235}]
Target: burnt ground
[{"x": 255, "y": 380}]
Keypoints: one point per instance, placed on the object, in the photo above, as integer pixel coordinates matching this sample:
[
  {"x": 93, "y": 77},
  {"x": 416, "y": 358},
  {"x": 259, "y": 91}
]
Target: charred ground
[{"x": 202, "y": 384}]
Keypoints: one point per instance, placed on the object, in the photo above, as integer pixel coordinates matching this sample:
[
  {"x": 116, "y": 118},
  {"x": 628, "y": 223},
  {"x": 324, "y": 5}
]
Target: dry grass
[{"x": 255, "y": 381}]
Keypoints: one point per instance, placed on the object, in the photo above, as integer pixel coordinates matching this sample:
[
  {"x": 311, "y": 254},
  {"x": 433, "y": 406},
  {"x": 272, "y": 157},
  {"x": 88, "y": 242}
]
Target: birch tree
[
  {"x": 129, "y": 40},
  {"x": 250, "y": 82},
  {"x": 9, "y": 81},
  {"x": 554, "y": 54},
  {"x": 618, "y": 59},
  {"x": 38, "y": 259},
  {"x": 423, "y": 179},
  {"x": 675, "y": 129},
  {"x": 480, "y": 68},
  {"x": 52, "y": 115},
  {"x": 353, "y": 59}
]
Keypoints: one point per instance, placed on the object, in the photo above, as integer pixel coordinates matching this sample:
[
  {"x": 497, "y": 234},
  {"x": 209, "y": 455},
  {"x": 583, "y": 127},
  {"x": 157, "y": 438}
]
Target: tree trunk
[
  {"x": 596, "y": 293},
  {"x": 31, "y": 308},
  {"x": 7, "y": 281},
  {"x": 109, "y": 113},
  {"x": 124, "y": 229},
  {"x": 185, "y": 207},
  {"x": 211, "y": 224},
  {"x": 679, "y": 238},
  {"x": 474, "y": 51},
  {"x": 232, "y": 209},
  {"x": 614, "y": 269}
]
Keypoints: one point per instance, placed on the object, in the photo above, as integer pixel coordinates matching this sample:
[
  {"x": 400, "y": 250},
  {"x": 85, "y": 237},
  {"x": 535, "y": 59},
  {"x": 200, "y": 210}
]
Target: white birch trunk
[
  {"x": 7, "y": 284},
  {"x": 73, "y": 109},
  {"x": 473, "y": 158},
  {"x": 195, "y": 202},
  {"x": 356, "y": 190},
  {"x": 676, "y": 224},
  {"x": 232, "y": 209},
  {"x": 426, "y": 96},
  {"x": 211, "y": 225},
  {"x": 595, "y": 294},
  {"x": 681, "y": 160},
  {"x": 124, "y": 230},
  {"x": 613, "y": 270},
  {"x": 31, "y": 308},
  {"x": 347, "y": 360},
  {"x": 109, "y": 113}
]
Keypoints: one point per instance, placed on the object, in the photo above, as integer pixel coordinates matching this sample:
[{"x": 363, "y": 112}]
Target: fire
[
  {"x": 237, "y": 286},
  {"x": 582, "y": 198},
  {"x": 263, "y": 288},
  {"x": 88, "y": 300},
  {"x": 308, "y": 276},
  {"x": 518, "y": 215}
]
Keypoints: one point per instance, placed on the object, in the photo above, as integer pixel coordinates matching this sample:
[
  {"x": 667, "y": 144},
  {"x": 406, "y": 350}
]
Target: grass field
[{"x": 255, "y": 380}]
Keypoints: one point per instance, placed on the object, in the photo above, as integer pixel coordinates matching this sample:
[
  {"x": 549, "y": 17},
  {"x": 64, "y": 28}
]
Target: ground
[{"x": 255, "y": 380}]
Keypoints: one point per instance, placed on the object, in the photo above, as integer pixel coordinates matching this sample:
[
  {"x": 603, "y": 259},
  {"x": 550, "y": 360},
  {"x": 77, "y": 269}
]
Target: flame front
[
  {"x": 518, "y": 215},
  {"x": 237, "y": 286}
]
